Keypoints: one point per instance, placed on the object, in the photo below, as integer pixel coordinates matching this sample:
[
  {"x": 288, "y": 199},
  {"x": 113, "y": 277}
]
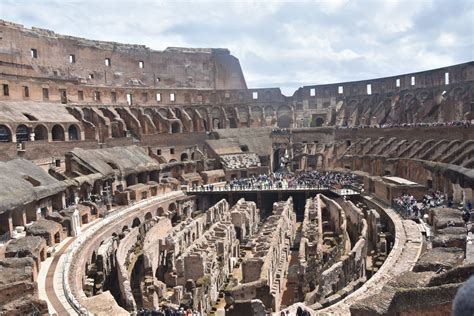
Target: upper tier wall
[
  {"x": 43, "y": 53},
  {"x": 424, "y": 79}
]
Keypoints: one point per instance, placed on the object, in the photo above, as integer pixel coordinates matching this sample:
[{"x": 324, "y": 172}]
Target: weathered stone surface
[
  {"x": 104, "y": 304},
  {"x": 439, "y": 258},
  {"x": 18, "y": 292},
  {"x": 450, "y": 241},
  {"x": 26, "y": 246}
]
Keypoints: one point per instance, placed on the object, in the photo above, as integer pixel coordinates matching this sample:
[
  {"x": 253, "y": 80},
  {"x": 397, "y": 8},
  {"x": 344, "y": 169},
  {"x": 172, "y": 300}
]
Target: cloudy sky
[{"x": 284, "y": 44}]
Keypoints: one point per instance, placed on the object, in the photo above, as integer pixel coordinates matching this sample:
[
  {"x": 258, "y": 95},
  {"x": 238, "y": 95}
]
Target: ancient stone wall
[
  {"x": 340, "y": 271},
  {"x": 43, "y": 53},
  {"x": 245, "y": 217},
  {"x": 264, "y": 272}
]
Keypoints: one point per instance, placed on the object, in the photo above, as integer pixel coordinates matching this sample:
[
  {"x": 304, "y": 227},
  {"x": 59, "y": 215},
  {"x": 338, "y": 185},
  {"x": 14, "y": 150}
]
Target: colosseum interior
[{"x": 144, "y": 182}]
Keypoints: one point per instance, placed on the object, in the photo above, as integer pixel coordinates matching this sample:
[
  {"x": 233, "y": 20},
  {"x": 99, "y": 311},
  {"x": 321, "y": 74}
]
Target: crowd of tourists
[
  {"x": 306, "y": 179},
  {"x": 300, "y": 180},
  {"x": 458, "y": 123},
  {"x": 408, "y": 206},
  {"x": 168, "y": 311}
]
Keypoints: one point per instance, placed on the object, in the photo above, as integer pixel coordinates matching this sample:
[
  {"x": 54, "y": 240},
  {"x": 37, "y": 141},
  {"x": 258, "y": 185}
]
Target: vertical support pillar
[{"x": 457, "y": 193}]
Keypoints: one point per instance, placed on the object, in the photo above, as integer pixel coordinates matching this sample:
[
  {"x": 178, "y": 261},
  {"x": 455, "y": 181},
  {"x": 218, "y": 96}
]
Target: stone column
[{"x": 457, "y": 193}]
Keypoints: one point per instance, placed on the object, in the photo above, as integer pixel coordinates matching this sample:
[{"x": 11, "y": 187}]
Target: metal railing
[{"x": 237, "y": 188}]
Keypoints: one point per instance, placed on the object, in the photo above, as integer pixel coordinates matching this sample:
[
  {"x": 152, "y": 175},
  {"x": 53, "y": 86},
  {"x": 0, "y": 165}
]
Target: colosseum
[{"x": 145, "y": 182}]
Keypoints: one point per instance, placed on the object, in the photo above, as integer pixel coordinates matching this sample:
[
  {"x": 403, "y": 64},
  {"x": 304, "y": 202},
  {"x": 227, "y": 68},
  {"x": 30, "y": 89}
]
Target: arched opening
[
  {"x": 22, "y": 134},
  {"x": 131, "y": 179},
  {"x": 148, "y": 216},
  {"x": 232, "y": 122},
  {"x": 136, "y": 222},
  {"x": 57, "y": 133},
  {"x": 319, "y": 121},
  {"x": 5, "y": 134},
  {"x": 142, "y": 177},
  {"x": 41, "y": 132},
  {"x": 175, "y": 127},
  {"x": 160, "y": 211},
  {"x": 320, "y": 161},
  {"x": 124, "y": 228},
  {"x": 284, "y": 121},
  {"x": 216, "y": 124},
  {"x": 172, "y": 207},
  {"x": 184, "y": 157},
  {"x": 312, "y": 162},
  {"x": 73, "y": 132},
  {"x": 173, "y": 213}
]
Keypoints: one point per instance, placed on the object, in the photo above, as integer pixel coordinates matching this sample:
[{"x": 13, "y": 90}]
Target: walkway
[
  {"x": 45, "y": 279},
  {"x": 53, "y": 299}
]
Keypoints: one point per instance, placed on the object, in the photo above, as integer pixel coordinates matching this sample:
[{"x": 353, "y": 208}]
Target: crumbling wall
[
  {"x": 151, "y": 246},
  {"x": 245, "y": 218},
  {"x": 264, "y": 272},
  {"x": 345, "y": 275}
]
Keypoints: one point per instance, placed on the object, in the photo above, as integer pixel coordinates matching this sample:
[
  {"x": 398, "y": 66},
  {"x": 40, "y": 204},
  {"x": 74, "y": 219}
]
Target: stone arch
[
  {"x": 148, "y": 216},
  {"x": 457, "y": 93},
  {"x": 217, "y": 118},
  {"x": 175, "y": 128},
  {"x": 284, "y": 119},
  {"x": 184, "y": 157},
  {"x": 269, "y": 111},
  {"x": 22, "y": 134},
  {"x": 257, "y": 115},
  {"x": 41, "y": 132},
  {"x": 5, "y": 134},
  {"x": 136, "y": 222},
  {"x": 160, "y": 211},
  {"x": 74, "y": 132},
  {"x": 244, "y": 116},
  {"x": 172, "y": 207},
  {"x": 57, "y": 133},
  {"x": 319, "y": 121},
  {"x": 216, "y": 123}
]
